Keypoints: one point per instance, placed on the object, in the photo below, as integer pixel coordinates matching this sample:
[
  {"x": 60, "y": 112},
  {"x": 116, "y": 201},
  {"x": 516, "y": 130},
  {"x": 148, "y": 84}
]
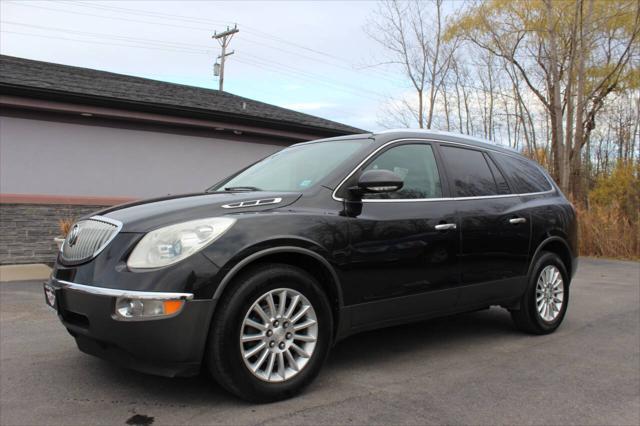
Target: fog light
[{"x": 129, "y": 309}]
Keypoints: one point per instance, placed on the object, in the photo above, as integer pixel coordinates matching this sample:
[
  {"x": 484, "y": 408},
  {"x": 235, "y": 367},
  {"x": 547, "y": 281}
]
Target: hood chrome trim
[{"x": 252, "y": 203}]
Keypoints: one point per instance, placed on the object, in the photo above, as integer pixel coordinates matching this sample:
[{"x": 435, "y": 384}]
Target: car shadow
[
  {"x": 422, "y": 336},
  {"x": 418, "y": 337}
]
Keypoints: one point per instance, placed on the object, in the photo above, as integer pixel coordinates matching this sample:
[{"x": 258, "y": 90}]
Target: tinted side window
[
  {"x": 416, "y": 165},
  {"x": 469, "y": 172},
  {"x": 524, "y": 175},
  {"x": 501, "y": 182}
]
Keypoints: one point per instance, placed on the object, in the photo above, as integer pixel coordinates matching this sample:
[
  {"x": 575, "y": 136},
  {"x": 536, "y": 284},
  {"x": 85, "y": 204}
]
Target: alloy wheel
[
  {"x": 278, "y": 335},
  {"x": 549, "y": 293}
]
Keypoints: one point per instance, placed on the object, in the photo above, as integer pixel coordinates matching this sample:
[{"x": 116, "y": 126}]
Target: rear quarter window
[{"x": 526, "y": 176}]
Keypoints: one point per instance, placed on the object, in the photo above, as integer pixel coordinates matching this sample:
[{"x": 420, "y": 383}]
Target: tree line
[{"x": 558, "y": 80}]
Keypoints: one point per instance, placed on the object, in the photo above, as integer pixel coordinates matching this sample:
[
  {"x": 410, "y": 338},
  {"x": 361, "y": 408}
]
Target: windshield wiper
[{"x": 242, "y": 188}]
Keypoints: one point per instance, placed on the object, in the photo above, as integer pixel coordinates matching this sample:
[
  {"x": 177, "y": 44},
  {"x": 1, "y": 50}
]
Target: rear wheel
[
  {"x": 271, "y": 333},
  {"x": 544, "y": 303}
]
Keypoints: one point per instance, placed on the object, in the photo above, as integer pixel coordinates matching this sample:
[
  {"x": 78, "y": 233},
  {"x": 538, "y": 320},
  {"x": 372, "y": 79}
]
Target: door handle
[
  {"x": 445, "y": 226},
  {"x": 517, "y": 220}
]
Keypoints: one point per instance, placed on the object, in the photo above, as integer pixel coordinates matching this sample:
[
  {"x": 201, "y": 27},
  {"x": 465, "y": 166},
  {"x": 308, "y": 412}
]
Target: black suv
[{"x": 257, "y": 277}]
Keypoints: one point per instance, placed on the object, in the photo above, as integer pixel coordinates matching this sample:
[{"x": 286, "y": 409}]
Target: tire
[
  {"x": 529, "y": 317},
  {"x": 226, "y": 353}
]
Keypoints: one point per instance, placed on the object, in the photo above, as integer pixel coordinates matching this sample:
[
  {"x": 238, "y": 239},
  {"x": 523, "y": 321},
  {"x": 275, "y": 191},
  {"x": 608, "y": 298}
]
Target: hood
[{"x": 145, "y": 215}]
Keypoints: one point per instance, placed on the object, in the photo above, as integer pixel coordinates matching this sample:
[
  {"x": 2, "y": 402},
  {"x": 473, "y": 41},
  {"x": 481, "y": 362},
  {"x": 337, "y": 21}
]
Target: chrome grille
[{"x": 88, "y": 238}]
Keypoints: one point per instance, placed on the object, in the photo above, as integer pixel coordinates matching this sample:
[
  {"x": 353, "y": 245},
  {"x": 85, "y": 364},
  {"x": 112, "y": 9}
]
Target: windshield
[{"x": 293, "y": 169}]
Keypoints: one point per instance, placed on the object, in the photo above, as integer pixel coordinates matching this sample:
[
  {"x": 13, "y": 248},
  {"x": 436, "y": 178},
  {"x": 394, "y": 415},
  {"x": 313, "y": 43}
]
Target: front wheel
[
  {"x": 271, "y": 333},
  {"x": 544, "y": 303}
]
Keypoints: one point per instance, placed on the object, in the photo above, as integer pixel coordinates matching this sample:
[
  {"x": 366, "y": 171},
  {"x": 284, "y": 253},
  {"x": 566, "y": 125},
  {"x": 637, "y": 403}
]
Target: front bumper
[{"x": 167, "y": 346}]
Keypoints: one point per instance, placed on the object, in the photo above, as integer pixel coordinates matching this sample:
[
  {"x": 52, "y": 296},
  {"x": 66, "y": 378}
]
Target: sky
[{"x": 313, "y": 57}]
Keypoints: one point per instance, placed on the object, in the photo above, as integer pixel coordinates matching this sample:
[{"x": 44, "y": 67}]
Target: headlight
[{"x": 171, "y": 244}]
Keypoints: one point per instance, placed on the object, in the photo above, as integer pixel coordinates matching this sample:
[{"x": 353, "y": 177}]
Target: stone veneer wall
[{"x": 27, "y": 230}]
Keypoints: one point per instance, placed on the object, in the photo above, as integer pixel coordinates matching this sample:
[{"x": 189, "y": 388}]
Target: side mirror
[{"x": 377, "y": 181}]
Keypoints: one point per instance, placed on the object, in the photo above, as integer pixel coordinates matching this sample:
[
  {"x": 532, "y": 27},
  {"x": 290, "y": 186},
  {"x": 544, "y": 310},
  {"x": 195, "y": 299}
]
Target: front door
[{"x": 403, "y": 245}]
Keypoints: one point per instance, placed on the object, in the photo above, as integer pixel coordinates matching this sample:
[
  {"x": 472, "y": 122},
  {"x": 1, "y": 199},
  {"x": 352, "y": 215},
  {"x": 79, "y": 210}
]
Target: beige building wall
[{"x": 39, "y": 156}]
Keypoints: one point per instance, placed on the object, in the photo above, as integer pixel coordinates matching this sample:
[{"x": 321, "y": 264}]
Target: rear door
[{"x": 495, "y": 230}]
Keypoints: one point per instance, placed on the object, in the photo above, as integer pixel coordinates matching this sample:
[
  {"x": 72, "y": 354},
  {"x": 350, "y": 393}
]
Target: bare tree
[
  {"x": 571, "y": 55},
  {"x": 557, "y": 79},
  {"x": 414, "y": 40}
]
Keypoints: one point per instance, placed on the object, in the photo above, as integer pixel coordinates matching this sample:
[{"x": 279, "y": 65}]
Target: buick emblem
[{"x": 73, "y": 235}]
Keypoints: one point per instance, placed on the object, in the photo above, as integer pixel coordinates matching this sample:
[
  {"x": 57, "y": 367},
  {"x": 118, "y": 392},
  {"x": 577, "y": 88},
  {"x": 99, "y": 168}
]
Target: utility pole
[{"x": 224, "y": 38}]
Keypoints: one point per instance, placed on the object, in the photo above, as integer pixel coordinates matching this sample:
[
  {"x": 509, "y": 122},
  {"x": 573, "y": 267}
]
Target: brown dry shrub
[
  {"x": 606, "y": 231},
  {"x": 65, "y": 224},
  {"x": 610, "y": 226}
]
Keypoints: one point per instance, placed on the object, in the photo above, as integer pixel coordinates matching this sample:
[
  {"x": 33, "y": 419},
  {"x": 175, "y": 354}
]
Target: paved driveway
[{"x": 469, "y": 369}]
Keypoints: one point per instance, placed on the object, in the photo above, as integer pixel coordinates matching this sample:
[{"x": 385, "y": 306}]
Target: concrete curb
[{"x": 28, "y": 272}]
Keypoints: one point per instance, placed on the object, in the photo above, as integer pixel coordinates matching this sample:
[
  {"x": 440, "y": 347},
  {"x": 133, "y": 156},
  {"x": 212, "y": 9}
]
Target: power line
[
  {"x": 257, "y": 61},
  {"x": 246, "y": 28},
  {"x": 254, "y": 87},
  {"x": 278, "y": 70},
  {"x": 147, "y": 13},
  {"x": 347, "y": 68},
  {"x": 188, "y": 48},
  {"x": 355, "y": 89},
  {"x": 177, "y": 47},
  {"x": 102, "y": 43},
  {"x": 206, "y": 22},
  {"x": 247, "y": 62},
  {"x": 137, "y": 21},
  {"x": 259, "y": 88},
  {"x": 179, "y": 18}
]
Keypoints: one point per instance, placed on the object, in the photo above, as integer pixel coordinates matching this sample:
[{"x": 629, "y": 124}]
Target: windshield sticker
[{"x": 305, "y": 183}]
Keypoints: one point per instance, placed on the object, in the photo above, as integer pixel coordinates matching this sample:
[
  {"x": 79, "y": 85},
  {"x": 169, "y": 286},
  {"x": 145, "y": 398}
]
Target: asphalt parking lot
[{"x": 468, "y": 369}]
